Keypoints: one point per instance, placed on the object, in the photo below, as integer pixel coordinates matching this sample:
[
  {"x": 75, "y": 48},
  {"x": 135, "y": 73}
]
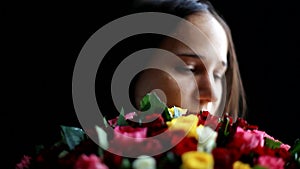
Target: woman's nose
[{"x": 206, "y": 88}]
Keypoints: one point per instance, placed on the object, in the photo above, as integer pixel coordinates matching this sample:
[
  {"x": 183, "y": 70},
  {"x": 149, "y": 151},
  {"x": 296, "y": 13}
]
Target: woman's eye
[
  {"x": 185, "y": 68},
  {"x": 218, "y": 75}
]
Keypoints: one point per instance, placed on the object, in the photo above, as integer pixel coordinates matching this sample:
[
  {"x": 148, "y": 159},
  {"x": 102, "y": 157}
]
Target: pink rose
[
  {"x": 270, "y": 162},
  {"x": 128, "y": 116},
  {"x": 247, "y": 140},
  {"x": 129, "y": 141},
  {"x": 89, "y": 162},
  {"x": 25, "y": 162},
  {"x": 127, "y": 133}
]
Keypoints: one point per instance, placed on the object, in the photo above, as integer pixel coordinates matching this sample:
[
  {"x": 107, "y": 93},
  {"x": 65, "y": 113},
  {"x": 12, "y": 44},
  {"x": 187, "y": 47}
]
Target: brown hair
[
  {"x": 235, "y": 100},
  {"x": 235, "y": 103}
]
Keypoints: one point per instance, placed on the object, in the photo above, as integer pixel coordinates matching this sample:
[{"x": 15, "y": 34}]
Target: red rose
[
  {"x": 112, "y": 160},
  {"x": 186, "y": 144},
  {"x": 283, "y": 153},
  {"x": 245, "y": 125},
  {"x": 224, "y": 158},
  {"x": 153, "y": 121},
  {"x": 151, "y": 146}
]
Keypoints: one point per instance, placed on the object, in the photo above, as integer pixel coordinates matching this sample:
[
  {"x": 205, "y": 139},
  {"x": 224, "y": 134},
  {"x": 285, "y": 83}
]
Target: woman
[{"x": 215, "y": 84}]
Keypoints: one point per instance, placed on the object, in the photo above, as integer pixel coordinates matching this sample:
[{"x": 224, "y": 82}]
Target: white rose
[
  {"x": 144, "y": 162},
  {"x": 206, "y": 138}
]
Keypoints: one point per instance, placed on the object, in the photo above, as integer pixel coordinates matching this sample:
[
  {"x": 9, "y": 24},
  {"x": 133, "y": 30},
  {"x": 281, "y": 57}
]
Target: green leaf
[
  {"x": 259, "y": 167},
  {"x": 72, "y": 136},
  {"x": 296, "y": 147},
  {"x": 272, "y": 143},
  {"x": 121, "y": 119},
  {"x": 38, "y": 148},
  {"x": 227, "y": 126},
  {"x": 102, "y": 137},
  {"x": 166, "y": 115},
  {"x": 295, "y": 152},
  {"x": 151, "y": 103},
  {"x": 125, "y": 164},
  {"x": 170, "y": 160},
  {"x": 105, "y": 122},
  {"x": 145, "y": 103}
]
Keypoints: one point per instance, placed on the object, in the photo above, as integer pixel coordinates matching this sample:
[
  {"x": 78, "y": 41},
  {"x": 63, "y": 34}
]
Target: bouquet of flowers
[{"x": 161, "y": 137}]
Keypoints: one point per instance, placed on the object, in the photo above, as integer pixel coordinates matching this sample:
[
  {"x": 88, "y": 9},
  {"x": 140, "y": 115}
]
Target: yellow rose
[
  {"x": 176, "y": 111},
  {"x": 185, "y": 123},
  {"x": 240, "y": 165},
  {"x": 197, "y": 160}
]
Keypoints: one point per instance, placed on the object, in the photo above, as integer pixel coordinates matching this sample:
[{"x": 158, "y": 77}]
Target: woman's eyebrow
[
  {"x": 191, "y": 55},
  {"x": 223, "y": 63}
]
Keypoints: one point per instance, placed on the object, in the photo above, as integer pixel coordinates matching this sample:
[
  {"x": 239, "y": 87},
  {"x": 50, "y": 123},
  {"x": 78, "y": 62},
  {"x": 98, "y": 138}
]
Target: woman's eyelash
[
  {"x": 218, "y": 75},
  {"x": 186, "y": 68},
  {"x": 193, "y": 69}
]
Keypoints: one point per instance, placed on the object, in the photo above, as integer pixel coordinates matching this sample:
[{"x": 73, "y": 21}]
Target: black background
[{"x": 43, "y": 40}]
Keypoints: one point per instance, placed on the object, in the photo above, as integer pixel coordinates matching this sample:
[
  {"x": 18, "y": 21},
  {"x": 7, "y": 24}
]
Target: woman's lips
[{"x": 206, "y": 107}]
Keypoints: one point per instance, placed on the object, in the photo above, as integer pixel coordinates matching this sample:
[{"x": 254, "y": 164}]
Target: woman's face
[{"x": 194, "y": 81}]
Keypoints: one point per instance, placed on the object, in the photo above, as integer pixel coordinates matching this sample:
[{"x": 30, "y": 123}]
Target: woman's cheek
[
  {"x": 158, "y": 81},
  {"x": 170, "y": 89},
  {"x": 218, "y": 105}
]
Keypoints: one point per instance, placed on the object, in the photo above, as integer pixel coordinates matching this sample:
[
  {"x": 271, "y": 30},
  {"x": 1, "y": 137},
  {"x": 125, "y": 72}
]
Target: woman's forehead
[
  {"x": 213, "y": 32},
  {"x": 209, "y": 40}
]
